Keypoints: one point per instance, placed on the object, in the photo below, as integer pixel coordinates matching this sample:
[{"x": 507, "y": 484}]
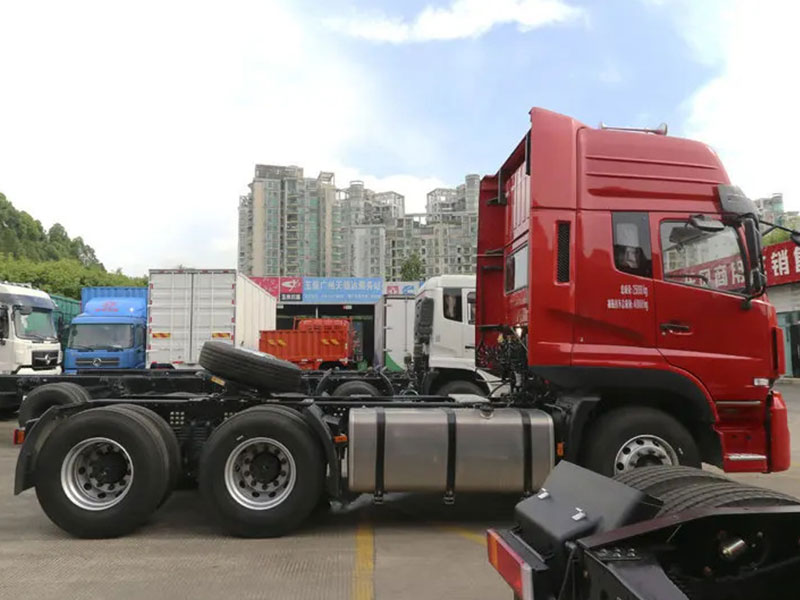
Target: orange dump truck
[{"x": 312, "y": 343}]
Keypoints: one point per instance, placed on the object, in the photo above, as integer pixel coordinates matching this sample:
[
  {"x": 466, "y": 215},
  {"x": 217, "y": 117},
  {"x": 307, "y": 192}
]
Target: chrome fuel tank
[{"x": 434, "y": 449}]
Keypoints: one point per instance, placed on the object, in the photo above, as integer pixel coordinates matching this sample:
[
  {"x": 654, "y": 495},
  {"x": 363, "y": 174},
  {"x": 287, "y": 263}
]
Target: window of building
[
  {"x": 517, "y": 269},
  {"x": 451, "y": 306},
  {"x": 632, "y": 253}
]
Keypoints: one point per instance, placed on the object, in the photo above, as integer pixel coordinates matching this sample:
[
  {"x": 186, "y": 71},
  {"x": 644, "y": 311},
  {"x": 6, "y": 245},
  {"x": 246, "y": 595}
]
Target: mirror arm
[{"x": 774, "y": 226}]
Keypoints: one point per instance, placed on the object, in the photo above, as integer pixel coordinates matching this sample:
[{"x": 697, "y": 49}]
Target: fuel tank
[{"x": 457, "y": 449}]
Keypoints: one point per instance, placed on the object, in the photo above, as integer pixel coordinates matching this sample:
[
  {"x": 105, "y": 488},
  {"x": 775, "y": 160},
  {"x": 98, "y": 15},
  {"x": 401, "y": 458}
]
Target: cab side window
[
  {"x": 632, "y": 253},
  {"x": 452, "y": 306}
]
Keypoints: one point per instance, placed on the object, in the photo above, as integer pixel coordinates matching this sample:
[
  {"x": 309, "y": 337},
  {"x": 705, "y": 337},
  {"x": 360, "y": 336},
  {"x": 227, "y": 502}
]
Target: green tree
[
  {"x": 50, "y": 260},
  {"x": 412, "y": 269}
]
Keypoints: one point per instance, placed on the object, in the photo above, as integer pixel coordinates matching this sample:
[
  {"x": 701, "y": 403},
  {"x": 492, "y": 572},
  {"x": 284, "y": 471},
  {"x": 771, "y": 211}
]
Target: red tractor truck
[
  {"x": 599, "y": 305},
  {"x": 313, "y": 344}
]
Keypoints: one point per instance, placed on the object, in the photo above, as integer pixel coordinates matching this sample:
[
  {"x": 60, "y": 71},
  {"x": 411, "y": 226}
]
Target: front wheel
[
  {"x": 628, "y": 438},
  {"x": 262, "y": 473}
]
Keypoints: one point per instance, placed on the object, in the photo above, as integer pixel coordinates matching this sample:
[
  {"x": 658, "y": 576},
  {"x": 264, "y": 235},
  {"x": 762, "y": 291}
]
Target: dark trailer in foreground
[{"x": 658, "y": 533}]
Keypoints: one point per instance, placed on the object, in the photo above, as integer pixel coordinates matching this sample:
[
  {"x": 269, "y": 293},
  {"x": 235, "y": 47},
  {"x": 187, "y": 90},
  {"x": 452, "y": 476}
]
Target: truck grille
[
  {"x": 97, "y": 362},
  {"x": 44, "y": 359}
]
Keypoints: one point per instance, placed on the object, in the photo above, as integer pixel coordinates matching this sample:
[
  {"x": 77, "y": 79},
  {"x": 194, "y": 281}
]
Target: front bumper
[{"x": 31, "y": 371}]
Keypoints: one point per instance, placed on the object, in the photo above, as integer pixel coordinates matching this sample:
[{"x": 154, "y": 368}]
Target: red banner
[{"x": 782, "y": 263}]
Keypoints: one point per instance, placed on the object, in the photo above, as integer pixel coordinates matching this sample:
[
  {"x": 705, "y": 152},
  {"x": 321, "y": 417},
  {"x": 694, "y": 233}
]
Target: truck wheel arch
[
  {"x": 672, "y": 392},
  {"x": 442, "y": 377}
]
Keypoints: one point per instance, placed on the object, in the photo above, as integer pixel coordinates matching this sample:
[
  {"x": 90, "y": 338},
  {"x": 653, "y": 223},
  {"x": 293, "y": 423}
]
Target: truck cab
[
  {"x": 444, "y": 337},
  {"x": 108, "y": 334},
  {"x": 28, "y": 339},
  {"x": 621, "y": 266}
]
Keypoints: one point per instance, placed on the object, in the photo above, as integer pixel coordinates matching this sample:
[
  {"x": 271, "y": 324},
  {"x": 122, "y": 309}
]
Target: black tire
[
  {"x": 80, "y": 393},
  {"x": 355, "y": 388},
  {"x": 146, "y": 450},
  {"x": 720, "y": 494},
  {"x": 172, "y": 448},
  {"x": 460, "y": 387},
  {"x": 39, "y": 399},
  {"x": 248, "y": 367},
  {"x": 657, "y": 480},
  {"x": 609, "y": 434},
  {"x": 224, "y": 443}
]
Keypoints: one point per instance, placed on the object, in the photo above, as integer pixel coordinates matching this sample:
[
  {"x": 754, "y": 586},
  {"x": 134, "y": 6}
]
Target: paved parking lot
[{"x": 412, "y": 547}]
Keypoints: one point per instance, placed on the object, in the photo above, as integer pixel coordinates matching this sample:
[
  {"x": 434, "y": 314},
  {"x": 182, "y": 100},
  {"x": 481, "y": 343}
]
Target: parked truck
[
  {"x": 28, "y": 337},
  {"x": 313, "y": 344},
  {"x": 188, "y": 307},
  {"x": 615, "y": 355},
  {"x": 66, "y": 309},
  {"x": 110, "y": 331}
]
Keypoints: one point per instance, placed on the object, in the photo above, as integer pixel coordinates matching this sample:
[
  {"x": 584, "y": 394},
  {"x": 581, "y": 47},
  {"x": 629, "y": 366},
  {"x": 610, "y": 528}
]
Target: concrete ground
[{"x": 411, "y": 547}]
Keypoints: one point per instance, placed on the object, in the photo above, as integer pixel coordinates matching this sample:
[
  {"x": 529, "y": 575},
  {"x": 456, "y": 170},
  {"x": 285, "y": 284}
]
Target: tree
[{"x": 412, "y": 269}]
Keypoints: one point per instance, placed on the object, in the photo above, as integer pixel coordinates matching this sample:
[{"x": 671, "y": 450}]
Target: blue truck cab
[{"x": 110, "y": 333}]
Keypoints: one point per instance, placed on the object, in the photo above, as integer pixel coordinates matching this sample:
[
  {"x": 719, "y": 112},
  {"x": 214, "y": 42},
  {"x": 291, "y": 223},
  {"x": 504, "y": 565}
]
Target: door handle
[
  {"x": 470, "y": 346},
  {"x": 674, "y": 327}
]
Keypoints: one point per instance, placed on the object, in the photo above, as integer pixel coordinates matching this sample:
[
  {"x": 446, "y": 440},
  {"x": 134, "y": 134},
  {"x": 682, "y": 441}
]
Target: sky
[{"x": 137, "y": 125}]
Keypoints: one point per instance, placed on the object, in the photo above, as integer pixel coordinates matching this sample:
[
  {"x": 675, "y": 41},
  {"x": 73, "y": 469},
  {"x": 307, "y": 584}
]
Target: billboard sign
[
  {"x": 323, "y": 290},
  {"x": 285, "y": 289},
  {"x": 401, "y": 288},
  {"x": 342, "y": 290}
]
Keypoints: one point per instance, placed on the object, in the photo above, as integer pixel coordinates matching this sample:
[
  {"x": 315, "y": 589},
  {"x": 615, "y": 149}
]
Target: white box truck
[{"x": 189, "y": 307}]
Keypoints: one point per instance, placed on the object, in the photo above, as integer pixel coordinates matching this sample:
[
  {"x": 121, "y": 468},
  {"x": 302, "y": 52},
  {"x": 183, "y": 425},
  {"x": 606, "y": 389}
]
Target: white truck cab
[
  {"x": 444, "y": 336},
  {"x": 28, "y": 339}
]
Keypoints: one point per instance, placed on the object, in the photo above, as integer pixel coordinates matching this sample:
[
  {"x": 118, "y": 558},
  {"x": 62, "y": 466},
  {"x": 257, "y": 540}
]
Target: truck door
[
  {"x": 703, "y": 324},
  {"x": 448, "y": 334},
  {"x": 468, "y": 331}
]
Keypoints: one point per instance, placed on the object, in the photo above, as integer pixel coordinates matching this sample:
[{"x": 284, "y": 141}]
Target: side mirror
[{"x": 704, "y": 223}]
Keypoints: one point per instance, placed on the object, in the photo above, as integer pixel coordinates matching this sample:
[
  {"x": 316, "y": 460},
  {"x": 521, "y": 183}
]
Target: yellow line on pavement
[
  {"x": 465, "y": 533},
  {"x": 363, "y": 571}
]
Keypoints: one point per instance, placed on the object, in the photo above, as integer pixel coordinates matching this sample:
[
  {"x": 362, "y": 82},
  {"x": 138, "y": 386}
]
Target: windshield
[
  {"x": 38, "y": 325},
  {"x": 707, "y": 259},
  {"x": 100, "y": 336}
]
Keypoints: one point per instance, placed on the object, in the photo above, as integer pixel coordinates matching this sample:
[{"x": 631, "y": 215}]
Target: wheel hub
[
  {"x": 96, "y": 473},
  {"x": 265, "y": 467},
  {"x": 109, "y": 467},
  {"x": 643, "y": 451},
  {"x": 260, "y": 473}
]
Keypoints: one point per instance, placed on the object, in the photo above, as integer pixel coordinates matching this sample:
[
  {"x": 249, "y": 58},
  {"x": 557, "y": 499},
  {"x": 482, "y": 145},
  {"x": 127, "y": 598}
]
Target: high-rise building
[
  {"x": 293, "y": 225},
  {"x": 285, "y": 222}
]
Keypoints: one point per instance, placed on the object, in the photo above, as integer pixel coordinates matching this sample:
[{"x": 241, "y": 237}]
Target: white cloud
[
  {"x": 748, "y": 113},
  {"x": 137, "y": 126},
  {"x": 462, "y": 19}
]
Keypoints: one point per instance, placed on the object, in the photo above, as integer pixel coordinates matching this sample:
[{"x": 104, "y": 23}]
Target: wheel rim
[
  {"x": 96, "y": 473},
  {"x": 644, "y": 451},
  {"x": 260, "y": 473}
]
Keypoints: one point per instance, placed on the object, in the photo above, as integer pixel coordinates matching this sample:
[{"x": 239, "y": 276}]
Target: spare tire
[
  {"x": 45, "y": 396},
  {"x": 249, "y": 367},
  {"x": 355, "y": 388},
  {"x": 655, "y": 480},
  {"x": 720, "y": 494}
]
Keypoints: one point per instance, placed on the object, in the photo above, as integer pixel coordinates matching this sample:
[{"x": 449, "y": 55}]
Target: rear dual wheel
[
  {"x": 102, "y": 472},
  {"x": 262, "y": 472}
]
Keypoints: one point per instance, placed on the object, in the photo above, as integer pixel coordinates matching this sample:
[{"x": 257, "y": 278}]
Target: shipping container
[
  {"x": 107, "y": 291},
  {"x": 66, "y": 310},
  {"x": 188, "y": 307}
]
